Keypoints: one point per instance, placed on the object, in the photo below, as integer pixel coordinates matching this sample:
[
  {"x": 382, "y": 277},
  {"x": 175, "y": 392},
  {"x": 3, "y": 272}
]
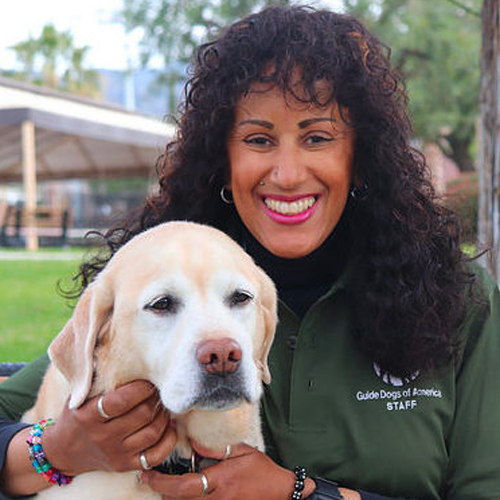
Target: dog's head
[{"x": 181, "y": 305}]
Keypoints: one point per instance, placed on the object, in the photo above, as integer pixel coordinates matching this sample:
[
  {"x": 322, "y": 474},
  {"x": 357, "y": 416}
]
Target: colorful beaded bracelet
[{"x": 38, "y": 458}]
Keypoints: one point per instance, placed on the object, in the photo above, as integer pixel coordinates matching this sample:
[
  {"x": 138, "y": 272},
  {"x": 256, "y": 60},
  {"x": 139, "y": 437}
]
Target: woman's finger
[
  {"x": 141, "y": 416},
  {"x": 147, "y": 435},
  {"x": 124, "y": 398},
  {"x": 232, "y": 451},
  {"x": 163, "y": 447},
  {"x": 185, "y": 486}
]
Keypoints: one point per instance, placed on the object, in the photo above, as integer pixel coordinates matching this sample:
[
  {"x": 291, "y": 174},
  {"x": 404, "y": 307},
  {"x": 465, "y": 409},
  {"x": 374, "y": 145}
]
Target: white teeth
[{"x": 293, "y": 208}]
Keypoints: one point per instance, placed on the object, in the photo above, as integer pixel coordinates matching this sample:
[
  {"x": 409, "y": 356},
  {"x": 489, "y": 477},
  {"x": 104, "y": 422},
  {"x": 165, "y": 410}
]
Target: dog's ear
[
  {"x": 72, "y": 351},
  {"x": 270, "y": 316}
]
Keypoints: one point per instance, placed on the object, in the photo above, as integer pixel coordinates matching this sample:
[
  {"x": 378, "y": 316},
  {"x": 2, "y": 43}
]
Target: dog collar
[{"x": 179, "y": 465}]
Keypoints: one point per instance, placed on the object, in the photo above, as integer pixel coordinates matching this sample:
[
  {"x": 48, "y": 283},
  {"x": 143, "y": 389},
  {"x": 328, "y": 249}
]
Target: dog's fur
[{"x": 113, "y": 338}]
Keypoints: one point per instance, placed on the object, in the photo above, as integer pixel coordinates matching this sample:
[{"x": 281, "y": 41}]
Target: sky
[{"x": 91, "y": 22}]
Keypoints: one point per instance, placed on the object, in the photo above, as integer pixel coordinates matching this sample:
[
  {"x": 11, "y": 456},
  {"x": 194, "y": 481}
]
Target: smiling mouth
[{"x": 290, "y": 208}]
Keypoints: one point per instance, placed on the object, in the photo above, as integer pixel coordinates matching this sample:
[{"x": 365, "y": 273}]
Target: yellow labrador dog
[{"x": 179, "y": 305}]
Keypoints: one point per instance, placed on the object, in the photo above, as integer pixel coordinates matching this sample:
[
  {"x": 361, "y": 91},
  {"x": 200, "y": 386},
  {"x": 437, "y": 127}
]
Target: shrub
[{"x": 462, "y": 197}]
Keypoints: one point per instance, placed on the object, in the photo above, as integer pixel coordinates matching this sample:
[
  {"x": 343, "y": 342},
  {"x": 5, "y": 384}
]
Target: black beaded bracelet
[{"x": 300, "y": 478}]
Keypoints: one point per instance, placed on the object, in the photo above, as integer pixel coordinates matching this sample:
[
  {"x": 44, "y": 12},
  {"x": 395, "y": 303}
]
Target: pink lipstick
[{"x": 290, "y": 219}]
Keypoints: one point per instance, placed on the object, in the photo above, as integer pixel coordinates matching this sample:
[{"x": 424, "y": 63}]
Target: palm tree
[
  {"x": 53, "y": 61},
  {"x": 26, "y": 52},
  {"x": 79, "y": 80}
]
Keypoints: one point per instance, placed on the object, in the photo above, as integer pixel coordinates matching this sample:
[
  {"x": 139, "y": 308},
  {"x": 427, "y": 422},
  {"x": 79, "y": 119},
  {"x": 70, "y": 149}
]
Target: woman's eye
[
  {"x": 165, "y": 304},
  {"x": 239, "y": 298},
  {"x": 258, "y": 141},
  {"x": 318, "y": 139}
]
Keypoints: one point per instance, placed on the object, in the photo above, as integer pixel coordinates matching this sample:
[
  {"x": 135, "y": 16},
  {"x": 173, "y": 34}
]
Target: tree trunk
[
  {"x": 489, "y": 156},
  {"x": 460, "y": 151}
]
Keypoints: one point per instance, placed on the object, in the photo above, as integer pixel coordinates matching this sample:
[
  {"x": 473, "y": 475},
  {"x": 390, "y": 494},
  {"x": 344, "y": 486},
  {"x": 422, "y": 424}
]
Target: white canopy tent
[{"x": 49, "y": 135}]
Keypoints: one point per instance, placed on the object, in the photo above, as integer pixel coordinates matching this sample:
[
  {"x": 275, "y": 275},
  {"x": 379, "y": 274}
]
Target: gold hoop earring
[{"x": 224, "y": 195}]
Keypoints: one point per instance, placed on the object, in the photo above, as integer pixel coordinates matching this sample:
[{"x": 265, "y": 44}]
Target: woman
[{"x": 294, "y": 140}]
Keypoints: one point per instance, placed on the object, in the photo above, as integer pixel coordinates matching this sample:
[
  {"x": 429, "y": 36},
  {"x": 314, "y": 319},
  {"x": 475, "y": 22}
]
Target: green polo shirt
[{"x": 329, "y": 409}]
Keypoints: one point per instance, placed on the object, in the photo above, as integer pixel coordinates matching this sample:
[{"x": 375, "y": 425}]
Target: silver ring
[
  {"x": 204, "y": 482},
  {"x": 228, "y": 452},
  {"x": 193, "y": 461},
  {"x": 100, "y": 409},
  {"x": 144, "y": 462}
]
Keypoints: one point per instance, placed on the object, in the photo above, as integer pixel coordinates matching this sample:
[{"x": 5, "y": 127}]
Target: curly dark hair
[{"x": 411, "y": 281}]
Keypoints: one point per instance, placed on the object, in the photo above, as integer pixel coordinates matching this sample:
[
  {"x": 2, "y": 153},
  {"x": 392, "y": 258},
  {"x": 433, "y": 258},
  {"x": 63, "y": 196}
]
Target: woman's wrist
[
  {"x": 38, "y": 456},
  {"x": 18, "y": 477},
  {"x": 54, "y": 451},
  {"x": 309, "y": 487}
]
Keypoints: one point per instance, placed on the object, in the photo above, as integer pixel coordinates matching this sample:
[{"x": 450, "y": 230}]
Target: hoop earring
[{"x": 224, "y": 195}]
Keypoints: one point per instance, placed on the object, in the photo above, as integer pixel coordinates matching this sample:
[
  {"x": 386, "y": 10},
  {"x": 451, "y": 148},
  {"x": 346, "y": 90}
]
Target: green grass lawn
[
  {"x": 73, "y": 250},
  {"x": 31, "y": 310}
]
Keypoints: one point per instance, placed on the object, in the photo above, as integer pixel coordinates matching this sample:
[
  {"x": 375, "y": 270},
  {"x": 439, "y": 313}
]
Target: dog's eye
[
  {"x": 239, "y": 298},
  {"x": 165, "y": 304}
]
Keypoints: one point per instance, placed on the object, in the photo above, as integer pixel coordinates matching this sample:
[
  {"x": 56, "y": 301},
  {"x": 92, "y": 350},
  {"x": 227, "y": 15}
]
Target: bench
[{"x": 51, "y": 223}]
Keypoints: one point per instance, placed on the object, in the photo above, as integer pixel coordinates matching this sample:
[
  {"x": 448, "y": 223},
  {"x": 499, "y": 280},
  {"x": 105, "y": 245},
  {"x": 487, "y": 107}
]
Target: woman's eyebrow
[
  {"x": 306, "y": 123},
  {"x": 262, "y": 123},
  {"x": 302, "y": 124}
]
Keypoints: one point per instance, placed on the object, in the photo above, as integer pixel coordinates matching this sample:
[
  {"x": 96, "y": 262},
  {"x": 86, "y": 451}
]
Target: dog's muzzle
[{"x": 219, "y": 392}]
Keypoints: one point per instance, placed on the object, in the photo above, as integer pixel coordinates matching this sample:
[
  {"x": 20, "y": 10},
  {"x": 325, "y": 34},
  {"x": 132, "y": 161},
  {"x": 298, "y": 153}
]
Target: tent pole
[{"x": 29, "y": 182}]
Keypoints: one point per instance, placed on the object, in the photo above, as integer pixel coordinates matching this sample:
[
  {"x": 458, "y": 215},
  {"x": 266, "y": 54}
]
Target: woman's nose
[{"x": 289, "y": 170}]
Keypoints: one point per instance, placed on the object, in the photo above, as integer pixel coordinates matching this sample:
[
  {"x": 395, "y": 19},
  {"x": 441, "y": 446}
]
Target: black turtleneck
[{"x": 300, "y": 282}]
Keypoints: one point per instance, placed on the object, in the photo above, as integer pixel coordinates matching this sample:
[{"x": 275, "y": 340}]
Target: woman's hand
[
  {"x": 246, "y": 475},
  {"x": 82, "y": 440}
]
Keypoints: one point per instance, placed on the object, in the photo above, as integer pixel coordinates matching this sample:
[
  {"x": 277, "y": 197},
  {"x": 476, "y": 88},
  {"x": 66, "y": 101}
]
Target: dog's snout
[{"x": 219, "y": 356}]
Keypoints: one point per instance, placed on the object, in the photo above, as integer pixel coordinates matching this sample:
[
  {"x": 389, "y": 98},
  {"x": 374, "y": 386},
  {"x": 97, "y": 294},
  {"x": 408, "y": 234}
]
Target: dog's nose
[{"x": 219, "y": 356}]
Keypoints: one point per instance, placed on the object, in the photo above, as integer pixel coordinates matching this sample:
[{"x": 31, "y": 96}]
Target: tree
[
  {"x": 489, "y": 155},
  {"x": 435, "y": 45},
  {"x": 25, "y": 54},
  {"x": 171, "y": 29},
  {"x": 53, "y": 46},
  {"x": 79, "y": 80},
  {"x": 52, "y": 60}
]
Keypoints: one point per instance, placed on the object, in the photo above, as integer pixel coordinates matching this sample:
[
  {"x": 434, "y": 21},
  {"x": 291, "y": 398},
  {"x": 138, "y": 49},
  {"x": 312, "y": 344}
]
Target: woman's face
[{"x": 290, "y": 170}]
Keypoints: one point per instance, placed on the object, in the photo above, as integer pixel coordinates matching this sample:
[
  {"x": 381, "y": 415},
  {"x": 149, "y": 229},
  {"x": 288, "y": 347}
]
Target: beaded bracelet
[
  {"x": 300, "y": 478},
  {"x": 39, "y": 459}
]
